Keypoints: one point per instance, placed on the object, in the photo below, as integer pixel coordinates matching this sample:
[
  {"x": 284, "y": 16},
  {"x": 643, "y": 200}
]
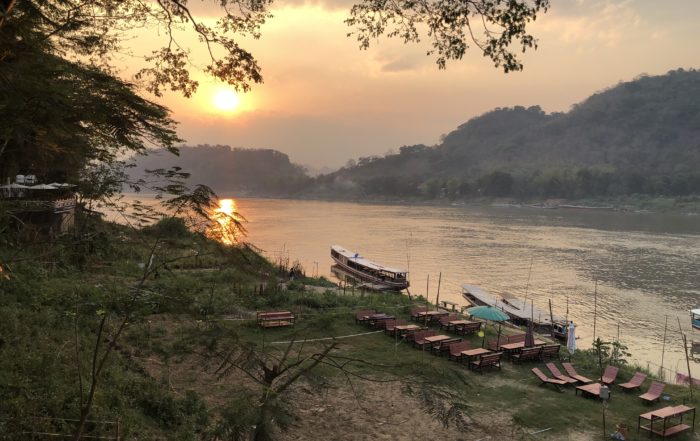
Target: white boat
[
  {"x": 519, "y": 310},
  {"x": 364, "y": 270}
]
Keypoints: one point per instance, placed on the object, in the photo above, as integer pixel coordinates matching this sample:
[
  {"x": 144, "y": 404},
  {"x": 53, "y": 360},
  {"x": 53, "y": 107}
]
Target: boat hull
[{"x": 376, "y": 282}]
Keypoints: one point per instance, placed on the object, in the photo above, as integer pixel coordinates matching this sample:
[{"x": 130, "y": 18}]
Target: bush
[{"x": 168, "y": 227}]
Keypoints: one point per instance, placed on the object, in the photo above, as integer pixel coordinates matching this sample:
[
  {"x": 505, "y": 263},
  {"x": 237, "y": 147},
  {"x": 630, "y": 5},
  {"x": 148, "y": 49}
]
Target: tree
[
  {"x": 492, "y": 25},
  {"x": 60, "y": 116},
  {"x": 96, "y": 29}
]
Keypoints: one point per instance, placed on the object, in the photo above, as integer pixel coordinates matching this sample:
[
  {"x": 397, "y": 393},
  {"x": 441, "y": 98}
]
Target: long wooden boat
[
  {"x": 519, "y": 310},
  {"x": 364, "y": 270}
]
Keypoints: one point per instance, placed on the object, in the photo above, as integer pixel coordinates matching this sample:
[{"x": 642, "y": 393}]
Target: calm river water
[{"x": 646, "y": 265}]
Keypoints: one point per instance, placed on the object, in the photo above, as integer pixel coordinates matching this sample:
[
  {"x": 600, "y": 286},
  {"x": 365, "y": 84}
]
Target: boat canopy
[
  {"x": 695, "y": 311},
  {"x": 355, "y": 257}
]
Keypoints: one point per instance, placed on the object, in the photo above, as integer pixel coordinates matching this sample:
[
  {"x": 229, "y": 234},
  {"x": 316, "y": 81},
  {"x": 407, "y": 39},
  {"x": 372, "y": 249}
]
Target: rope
[{"x": 324, "y": 338}]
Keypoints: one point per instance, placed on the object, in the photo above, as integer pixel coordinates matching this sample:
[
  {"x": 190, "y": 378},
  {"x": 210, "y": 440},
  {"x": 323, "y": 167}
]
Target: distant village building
[{"x": 49, "y": 207}]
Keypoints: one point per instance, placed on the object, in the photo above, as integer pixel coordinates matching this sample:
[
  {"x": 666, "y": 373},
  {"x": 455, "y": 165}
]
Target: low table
[
  {"x": 508, "y": 347},
  {"x": 665, "y": 414},
  {"x": 470, "y": 353},
  {"x": 591, "y": 390},
  {"x": 405, "y": 329},
  {"x": 436, "y": 338}
]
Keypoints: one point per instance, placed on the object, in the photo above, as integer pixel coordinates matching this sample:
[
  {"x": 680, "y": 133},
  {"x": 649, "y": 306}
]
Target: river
[{"x": 647, "y": 265}]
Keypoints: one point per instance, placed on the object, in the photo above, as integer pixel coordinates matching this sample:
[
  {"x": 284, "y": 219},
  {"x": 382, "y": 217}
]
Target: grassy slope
[{"x": 161, "y": 384}]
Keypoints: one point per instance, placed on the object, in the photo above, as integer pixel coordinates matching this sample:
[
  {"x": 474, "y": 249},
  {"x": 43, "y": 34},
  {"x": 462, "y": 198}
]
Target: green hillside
[
  {"x": 639, "y": 137},
  {"x": 245, "y": 171}
]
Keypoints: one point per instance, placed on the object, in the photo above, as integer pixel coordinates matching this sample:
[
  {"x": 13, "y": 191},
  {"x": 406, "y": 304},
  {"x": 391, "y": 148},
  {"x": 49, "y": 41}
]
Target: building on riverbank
[{"x": 47, "y": 207}]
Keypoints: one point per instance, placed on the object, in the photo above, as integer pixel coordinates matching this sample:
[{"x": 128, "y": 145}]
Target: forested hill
[
  {"x": 245, "y": 171},
  {"x": 641, "y": 136}
]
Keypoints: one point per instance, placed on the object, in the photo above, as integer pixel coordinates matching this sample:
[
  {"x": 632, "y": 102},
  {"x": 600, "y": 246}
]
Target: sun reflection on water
[{"x": 228, "y": 227}]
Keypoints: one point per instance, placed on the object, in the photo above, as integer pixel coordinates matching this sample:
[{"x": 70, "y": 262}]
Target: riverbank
[{"x": 189, "y": 363}]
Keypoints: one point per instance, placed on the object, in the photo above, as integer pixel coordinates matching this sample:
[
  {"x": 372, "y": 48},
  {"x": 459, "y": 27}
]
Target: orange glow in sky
[
  {"x": 226, "y": 100},
  {"x": 324, "y": 101}
]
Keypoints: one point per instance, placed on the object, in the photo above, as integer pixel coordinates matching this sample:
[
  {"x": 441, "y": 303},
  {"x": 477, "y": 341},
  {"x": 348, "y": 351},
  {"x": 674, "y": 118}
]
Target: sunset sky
[{"x": 324, "y": 101}]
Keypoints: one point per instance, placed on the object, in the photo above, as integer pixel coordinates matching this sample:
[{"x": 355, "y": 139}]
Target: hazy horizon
[{"x": 324, "y": 101}]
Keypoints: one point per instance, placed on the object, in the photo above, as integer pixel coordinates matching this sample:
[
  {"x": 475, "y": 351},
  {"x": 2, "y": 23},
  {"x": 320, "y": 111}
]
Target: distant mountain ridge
[
  {"x": 245, "y": 171},
  {"x": 638, "y": 137},
  {"x": 641, "y": 136}
]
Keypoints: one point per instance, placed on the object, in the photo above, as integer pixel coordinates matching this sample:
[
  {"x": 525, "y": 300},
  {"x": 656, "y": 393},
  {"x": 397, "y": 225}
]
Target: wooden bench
[
  {"x": 518, "y": 338},
  {"x": 457, "y": 348},
  {"x": 445, "y": 321},
  {"x": 418, "y": 337},
  {"x": 444, "y": 345},
  {"x": 376, "y": 321},
  {"x": 495, "y": 345},
  {"x": 487, "y": 360},
  {"x": 550, "y": 352},
  {"x": 468, "y": 328},
  {"x": 416, "y": 313},
  {"x": 527, "y": 354},
  {"x": 274, "y": 319},
  {"x": 390, "y": 326},
  {"x": 360, "y": 316}
]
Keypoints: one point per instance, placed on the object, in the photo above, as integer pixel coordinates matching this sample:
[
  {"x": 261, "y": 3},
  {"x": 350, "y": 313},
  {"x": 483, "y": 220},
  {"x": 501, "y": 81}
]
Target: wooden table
[
  {"x": 436, "y": 338},
  {"x": 666, "y": 414},
  {"x": 519, "y": 345},
  {"x": 405, "y": 329},
  {"x": 455, "y": 324},
  {"x": 474, "y": 353},
  {"x": 432, "y": 314},
  {"x": 591, "y": 390}
]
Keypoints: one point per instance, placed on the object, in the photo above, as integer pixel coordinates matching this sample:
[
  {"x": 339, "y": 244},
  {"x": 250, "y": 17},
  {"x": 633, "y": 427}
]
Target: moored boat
[
  {"x": 378, "y": 276},
  {"x": 695, "y": 318},
  {"x": 519, "y": 310}
]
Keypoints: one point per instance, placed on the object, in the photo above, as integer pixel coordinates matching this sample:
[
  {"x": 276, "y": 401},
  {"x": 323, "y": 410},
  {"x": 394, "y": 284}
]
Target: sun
[{"x": 226, "y": 100}]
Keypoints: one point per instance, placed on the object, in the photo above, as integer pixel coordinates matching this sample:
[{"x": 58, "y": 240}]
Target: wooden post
[
  {"x": 427, "y": 304},
  {"x": 437, "y": 299},
  {"x": 595, "y": 306},
  {"x": 527, "y": 286},
  {"x": 551, "y": 317},
  {"x": 687, "y": 360},
  {"x": 663, "y": 350},
  {"x": 117, "y": 429}
]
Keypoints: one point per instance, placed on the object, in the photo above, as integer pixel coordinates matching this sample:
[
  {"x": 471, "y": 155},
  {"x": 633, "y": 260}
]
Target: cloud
[{"x": 592, "y": 23}]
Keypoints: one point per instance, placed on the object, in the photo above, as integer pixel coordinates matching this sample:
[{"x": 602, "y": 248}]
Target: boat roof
[
  {"x": 511, "y": 305},
  {"x": 365, "y": 262},
  {"x": 695, "y": 311}
]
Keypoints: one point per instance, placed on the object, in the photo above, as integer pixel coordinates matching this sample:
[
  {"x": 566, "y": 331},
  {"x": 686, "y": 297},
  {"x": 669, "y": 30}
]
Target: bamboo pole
[
  {"x": 527, "y": 285},
  {"x": 437, "y": 299},
  {"x": 663, "y": 349},
  {"x": 595, "y": 306},
  {"x": 551, "y": 317},
  {"x": 687, "y": 360},
  {"x": 427, "y": 304}
]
